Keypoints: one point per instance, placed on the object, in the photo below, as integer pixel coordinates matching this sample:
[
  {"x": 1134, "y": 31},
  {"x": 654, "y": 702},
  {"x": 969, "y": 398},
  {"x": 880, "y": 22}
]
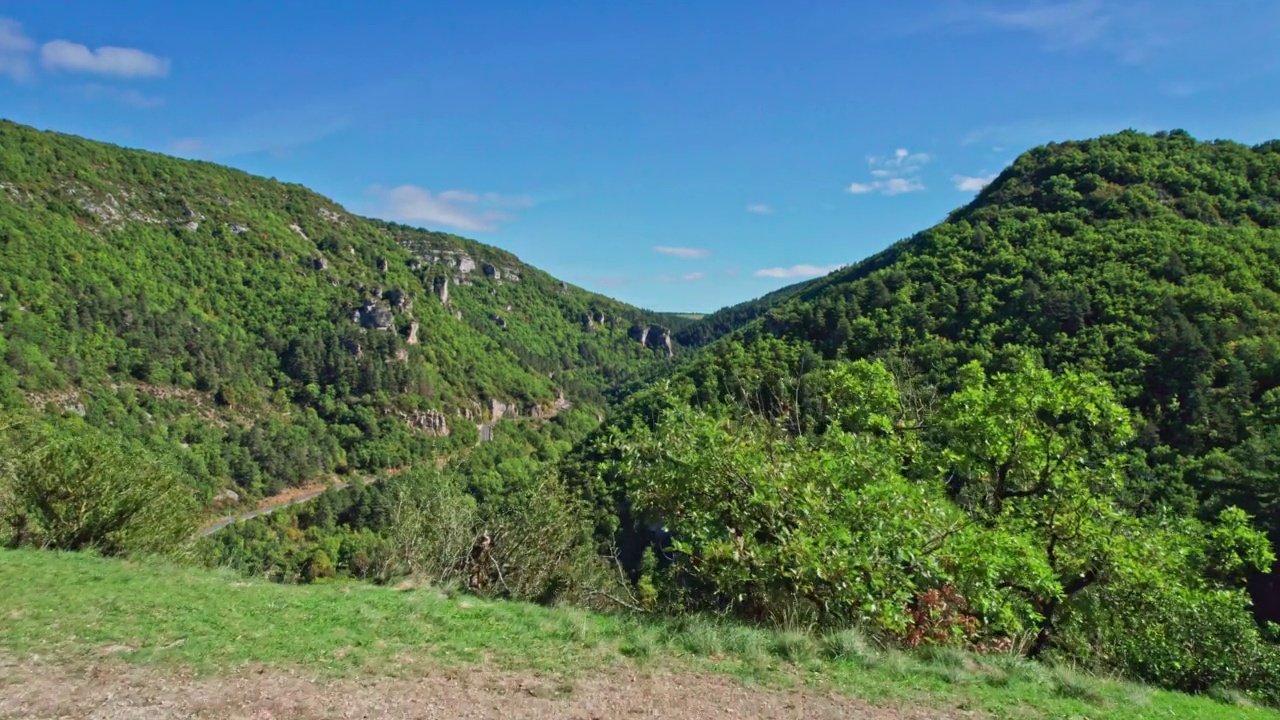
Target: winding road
[
  {"x": 486, "y": 435},
  {"x": 271, "y": 506}
]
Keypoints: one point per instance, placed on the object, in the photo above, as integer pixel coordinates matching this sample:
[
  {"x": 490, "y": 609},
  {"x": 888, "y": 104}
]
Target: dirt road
[{"x": 111, "y": 690}]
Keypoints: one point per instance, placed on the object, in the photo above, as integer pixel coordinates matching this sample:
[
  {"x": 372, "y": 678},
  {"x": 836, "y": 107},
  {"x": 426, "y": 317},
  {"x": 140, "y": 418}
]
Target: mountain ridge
[{"x": 272, "y": 302}]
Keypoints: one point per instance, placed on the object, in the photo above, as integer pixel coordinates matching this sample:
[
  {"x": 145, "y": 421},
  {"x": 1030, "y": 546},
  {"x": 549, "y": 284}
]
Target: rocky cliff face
[
  {"x": 431, "y": 422},
  {"x": 374, "y": 315},
  {"x": 653, "y": 336}
]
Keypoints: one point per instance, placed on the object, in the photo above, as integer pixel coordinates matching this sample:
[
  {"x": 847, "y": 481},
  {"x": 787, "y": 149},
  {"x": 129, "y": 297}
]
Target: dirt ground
[{"x": 115, "y": 691}]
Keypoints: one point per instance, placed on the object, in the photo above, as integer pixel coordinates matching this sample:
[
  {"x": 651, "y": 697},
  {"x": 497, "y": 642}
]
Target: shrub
[
  {"x": 532, "y": 543},
  {"x": 72, "y": 487}
]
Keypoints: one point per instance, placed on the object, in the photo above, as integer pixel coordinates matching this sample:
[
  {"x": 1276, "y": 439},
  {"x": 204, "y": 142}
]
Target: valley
[{"x": 1039, "y": 434}]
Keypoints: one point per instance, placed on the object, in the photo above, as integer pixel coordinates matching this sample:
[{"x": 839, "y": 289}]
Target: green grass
[{"x": 72, "y": 609}]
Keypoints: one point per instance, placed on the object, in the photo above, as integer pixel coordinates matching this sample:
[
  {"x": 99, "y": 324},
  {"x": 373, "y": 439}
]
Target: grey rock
[
  {"x": 432, "y": 422},
  {"x": 653, "y": 336},
  {"x": 374, "y": 316},
  {"x": 399, "y": 300}
]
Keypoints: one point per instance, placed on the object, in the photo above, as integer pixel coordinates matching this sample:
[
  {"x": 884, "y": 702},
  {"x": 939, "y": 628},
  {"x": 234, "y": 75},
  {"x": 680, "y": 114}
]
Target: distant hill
[
  {"x": 264, "y": 336},
  {"x": 708, "y": 328}
]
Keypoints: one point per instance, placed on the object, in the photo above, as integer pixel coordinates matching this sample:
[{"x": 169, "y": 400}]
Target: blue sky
[{"x": 678, "y": 155}]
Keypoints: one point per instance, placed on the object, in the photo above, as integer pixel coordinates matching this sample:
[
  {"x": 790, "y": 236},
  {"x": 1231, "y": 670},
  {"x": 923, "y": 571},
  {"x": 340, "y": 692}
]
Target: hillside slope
[
  {"x": 713, "y": 326},
  {"x": 263, "y": 335},
  {"x": 1153, "y": 261},
  {"x": 170, "y": 641}
]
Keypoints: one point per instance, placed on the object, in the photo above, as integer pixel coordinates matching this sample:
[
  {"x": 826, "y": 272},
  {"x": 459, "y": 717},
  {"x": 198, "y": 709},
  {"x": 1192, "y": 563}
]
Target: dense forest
[
  {"x": 263, "y": 337},
  {"x": 1046, "y": 405},
  {"x": 1047, "y": 425}
]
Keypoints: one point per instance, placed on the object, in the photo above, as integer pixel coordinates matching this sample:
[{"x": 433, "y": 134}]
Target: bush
[
  {"x": 71, "y": 487},
  {"x": 532, "y": 543}
]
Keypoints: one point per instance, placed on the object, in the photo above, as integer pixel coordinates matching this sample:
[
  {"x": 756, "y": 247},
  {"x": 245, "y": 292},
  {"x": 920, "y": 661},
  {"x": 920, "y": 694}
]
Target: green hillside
[
  {"x": 1046, "y": 427},
  {"x": 900, "y": 405},
  {"x": 707, "y": 328},
  {"x": 1153, "y": 261},
  {"x": 262, "y": 336},
  {"x": 74, "y": 609}
]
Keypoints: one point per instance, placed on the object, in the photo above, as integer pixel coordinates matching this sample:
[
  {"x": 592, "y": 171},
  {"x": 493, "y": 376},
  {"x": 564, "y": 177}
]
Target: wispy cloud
[
  {"x": 274, "y": 131},
  {"x": 759, "y": 209},
  {"x": 1130, "y": 31},
  {"x": 187, "y": 146},
  {"x": 15, "y": 51},
  {"x": 124, "y": 96},
  {"x": 892, "y": 186},
  {"x": 797, "y": 271},
  {"x": 681, "y": 252},
  {"x": 1063, "y": 24},
  {"x": 1183, "y": 88},
  {"x": 970, "y": 183},
  {"x": 893, "y": 175},
  {"x": 66, "y": 56},
  {"x": 687, "y": 277},
  {"x": 608, "y": 281},
  {"x": 458, "y": 209}
]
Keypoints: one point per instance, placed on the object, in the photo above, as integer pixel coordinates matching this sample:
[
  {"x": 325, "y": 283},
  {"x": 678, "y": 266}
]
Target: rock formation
[
  {"x": 653, "y": 336},
  {"x": 432, "y": 422},
  {"x": 374, "y": 315}
]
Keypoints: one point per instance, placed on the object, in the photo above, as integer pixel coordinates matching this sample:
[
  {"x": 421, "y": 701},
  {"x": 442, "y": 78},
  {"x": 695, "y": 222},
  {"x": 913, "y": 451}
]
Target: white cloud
[
  {"x": 759, "y": 209},
  {"x": 968, "y": 183},
  {"x": 458, "y": 209},
  {"x": 67, "y": 56},
  {"x": 690, "y": 277},
  {"x": 15, "y": 51},
  {"x": 892, "y": 186},
  {"x": 681, "y": 252},
  {"x": 894, "y": 175},
  {"x": 797, "y": 271}
]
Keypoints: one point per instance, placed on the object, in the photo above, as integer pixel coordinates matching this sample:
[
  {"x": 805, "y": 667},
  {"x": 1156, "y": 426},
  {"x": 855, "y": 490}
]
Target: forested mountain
[
  {"x": 262, "y": 335},
  {"x": 1153, "y": 261},
  {"x": 1046, "y": 425},
  {"x": 1058, "y": 384},
  {"x": 708, "y": 328}
]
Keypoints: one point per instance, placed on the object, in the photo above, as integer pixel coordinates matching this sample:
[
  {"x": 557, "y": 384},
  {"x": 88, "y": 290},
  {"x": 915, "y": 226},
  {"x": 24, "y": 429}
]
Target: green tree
[{"x": 74, "y": 488}]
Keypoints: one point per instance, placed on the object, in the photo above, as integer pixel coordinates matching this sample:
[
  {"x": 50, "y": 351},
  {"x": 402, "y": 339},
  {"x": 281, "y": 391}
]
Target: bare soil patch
[{"x": 112, "y": 690}]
